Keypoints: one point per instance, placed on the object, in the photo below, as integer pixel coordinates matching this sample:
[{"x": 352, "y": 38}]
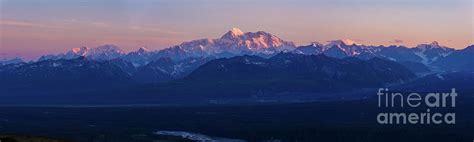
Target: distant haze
[{"x": 30, "y": 28}]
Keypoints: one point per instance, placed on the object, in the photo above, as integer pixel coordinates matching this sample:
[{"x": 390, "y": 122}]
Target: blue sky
[{"x": 51, "y": 26}]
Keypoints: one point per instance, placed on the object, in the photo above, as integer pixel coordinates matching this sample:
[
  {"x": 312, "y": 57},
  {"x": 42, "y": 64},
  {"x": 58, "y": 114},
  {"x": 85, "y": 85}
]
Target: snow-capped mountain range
[
  {"x": 104, "y": 52},
  {"x": 236, "y": 66},
  {"x": 233, "y": 43},
  {"x": 423, "y": 53},
  {"x": 431, "y": 52},
  {"x": 236, "y": 42}
]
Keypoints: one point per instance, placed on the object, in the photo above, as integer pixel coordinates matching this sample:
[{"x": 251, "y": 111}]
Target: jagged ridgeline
[{"x": 241, "y": 63}]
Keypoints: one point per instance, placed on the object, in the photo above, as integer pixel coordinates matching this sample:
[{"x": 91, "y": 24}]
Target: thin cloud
[
  {"x": 99, "y": 24},
  {"x": 140, "y": 28},
  {"x": 86, "y": 23},
  {"x": 17, "y": 23},
  {"x": 396, "y": 41}
]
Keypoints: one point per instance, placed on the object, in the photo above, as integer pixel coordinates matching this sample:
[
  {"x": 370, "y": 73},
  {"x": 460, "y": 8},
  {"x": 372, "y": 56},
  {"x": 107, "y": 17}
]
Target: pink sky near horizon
[{"x": 29, "y": 29}]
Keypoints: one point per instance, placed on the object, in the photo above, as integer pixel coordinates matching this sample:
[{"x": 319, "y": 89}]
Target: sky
[{"x": 31, "y": 28}]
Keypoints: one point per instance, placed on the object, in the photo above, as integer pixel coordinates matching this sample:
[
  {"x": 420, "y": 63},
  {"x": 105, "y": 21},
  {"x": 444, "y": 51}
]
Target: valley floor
[{"x": 321, "y": 121}]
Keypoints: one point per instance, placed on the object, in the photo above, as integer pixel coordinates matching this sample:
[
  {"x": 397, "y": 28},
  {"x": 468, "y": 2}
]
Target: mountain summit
[
  {"x": 431, "y": 45},
  {"x": 340, "y": 43},
  {"x": 232, "y": 43},
  {"x": 143, "y": 50},
  {"x": 82, "y": 51},
  {"x": 235, "y": 38},
  {"x": 104, "y": 52},
  {"x": 233, "y": 33},
  {"x": 431, "y": 52}
]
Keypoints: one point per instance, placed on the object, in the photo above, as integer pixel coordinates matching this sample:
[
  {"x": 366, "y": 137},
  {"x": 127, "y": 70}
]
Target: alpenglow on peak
[
  {"x": 233, "y": 33},
  {"x": 236, "y": 31}
]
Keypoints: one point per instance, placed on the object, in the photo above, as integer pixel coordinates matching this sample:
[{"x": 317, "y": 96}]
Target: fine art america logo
[{"x": 410, "y": 108}]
